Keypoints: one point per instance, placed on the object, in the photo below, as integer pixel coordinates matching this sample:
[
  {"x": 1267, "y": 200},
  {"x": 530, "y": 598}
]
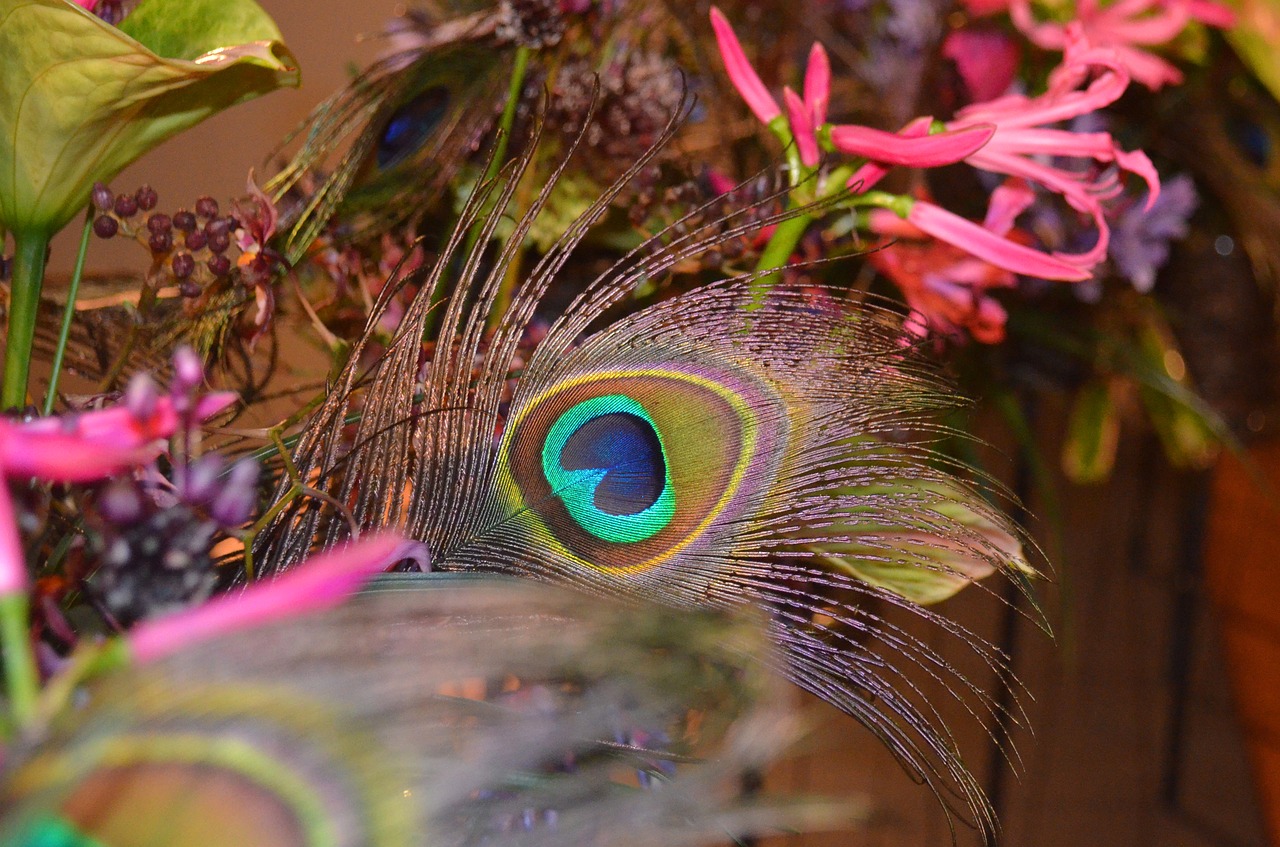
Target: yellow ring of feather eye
[
  {"x": 690, "y": 413},
  {"x": 137, "y": 772},
  {"x": 140, "y": 745}
]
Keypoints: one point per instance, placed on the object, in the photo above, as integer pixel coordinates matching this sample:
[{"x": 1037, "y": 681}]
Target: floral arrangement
[{"x": 983, "y": 168}]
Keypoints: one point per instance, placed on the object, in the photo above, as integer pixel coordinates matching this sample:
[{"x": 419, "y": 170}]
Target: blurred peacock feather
[
  {"x": 428, "y": 710},
  {"x": 723, "y": 448}
]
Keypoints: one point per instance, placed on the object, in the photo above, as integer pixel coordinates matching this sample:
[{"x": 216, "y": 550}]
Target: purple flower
[{"x": 1140, "y": 238}]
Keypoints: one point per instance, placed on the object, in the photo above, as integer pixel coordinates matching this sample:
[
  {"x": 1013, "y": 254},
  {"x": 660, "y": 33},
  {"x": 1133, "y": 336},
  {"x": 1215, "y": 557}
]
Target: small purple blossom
[{"x": 1140, "y": 239}]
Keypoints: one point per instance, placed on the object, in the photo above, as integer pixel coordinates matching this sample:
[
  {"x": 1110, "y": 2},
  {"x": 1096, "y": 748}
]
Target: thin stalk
[
  {"x": 65, "y": 332},
  {"x": 24, "y": 302},
  {"x": 21, "y": 680},
  {"x": 776, "y": 253},
  {"x": 505, "y": 124}
]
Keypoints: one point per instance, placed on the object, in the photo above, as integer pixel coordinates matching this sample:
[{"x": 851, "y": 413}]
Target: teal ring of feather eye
[{"x": 618, "y": 485}]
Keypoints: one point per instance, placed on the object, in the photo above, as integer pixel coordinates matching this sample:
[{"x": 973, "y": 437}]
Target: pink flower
[
  {"x": 804, "y": 115},
  {"x": 1022, "y": 143},
  {"x": 1126, "y": 26},
  {"x": 946, "y": 284},
  {"x": 88, "y": 447},
  {"x": 741, "y": 74},
  {"x": 986, "y": 60},
  {"x": 985, "y": 241},
  {"x": 321, "y": 583},
  {"x": 913, "y": 146},
  {"x": 808, "y": 115}
]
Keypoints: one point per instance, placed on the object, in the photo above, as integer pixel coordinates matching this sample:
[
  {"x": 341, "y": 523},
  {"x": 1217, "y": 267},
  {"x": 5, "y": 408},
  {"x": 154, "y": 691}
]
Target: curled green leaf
[{"x": 80, "y": 99}]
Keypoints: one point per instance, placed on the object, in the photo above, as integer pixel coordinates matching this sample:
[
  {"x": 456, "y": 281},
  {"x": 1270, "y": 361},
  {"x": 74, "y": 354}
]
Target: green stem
[
  {"x": 21, "y": 681},
  {"x": 505, "y": 123},
  {"x": 504, "y": 135},
  {"x": 24, "y": 301},
  {"x": 776, "y": 253},
  {"x": 68, "y": 313}
]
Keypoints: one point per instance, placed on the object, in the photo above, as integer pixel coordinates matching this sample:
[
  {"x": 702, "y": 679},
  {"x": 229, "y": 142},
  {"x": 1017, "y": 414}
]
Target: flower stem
[
  {"x": 776, "y": 253},
  {"x": 67, "y": 314},
  {"x": 24, "y": 300},
  {"x": 21, "y": 682}
]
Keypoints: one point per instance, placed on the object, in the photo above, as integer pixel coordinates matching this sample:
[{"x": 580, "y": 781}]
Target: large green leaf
[{"x": 80, "y": 100}]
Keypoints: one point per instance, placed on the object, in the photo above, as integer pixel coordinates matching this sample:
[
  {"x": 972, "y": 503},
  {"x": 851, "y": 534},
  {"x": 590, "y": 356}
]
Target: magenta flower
[
  {"x": 913, "y": 146},
  {"x": 1023, "y": 146},
  {"x": 946, "y": 267},
  {"x": 741, "y": 74},
  {"x": 87, "y": 447},
  {"x": 322, "y": 582},
  {"x": 985, "y": 241},
  {"x": 1126, "y": 27},
  {"x": 985, "y": 59},
  {"x": 805, "y": 115}
]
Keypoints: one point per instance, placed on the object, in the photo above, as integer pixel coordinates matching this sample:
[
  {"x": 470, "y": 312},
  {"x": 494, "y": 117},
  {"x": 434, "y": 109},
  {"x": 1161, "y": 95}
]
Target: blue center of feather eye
[
  {"x": 410, "y": 125},
  {"x": 605, "y": 461}
]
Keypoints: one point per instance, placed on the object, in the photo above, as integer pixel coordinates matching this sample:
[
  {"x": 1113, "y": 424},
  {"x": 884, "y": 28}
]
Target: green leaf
[
  {"x": 923, "y": 536},
  {"x": 1256, "y": 39},
  {"x": 1093, "y": 434},
  {"x": 1187, "y": 436},
  {"x": 80, "y": 100}
]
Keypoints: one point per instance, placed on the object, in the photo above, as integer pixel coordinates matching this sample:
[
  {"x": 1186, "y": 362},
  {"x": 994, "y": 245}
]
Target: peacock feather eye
[
  {"x": 604, "y": 459},
  {"x": 410, "y": 125},
  {"x": 622, "y": 470}
]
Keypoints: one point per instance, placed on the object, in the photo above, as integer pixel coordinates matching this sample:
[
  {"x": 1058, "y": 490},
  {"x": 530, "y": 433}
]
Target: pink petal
[
  {"x": 13, "y": 566},
  {"x": 1212, "y": 14},
  {"x": 930, "y": 151},
  {"x": 59, "y": 457},
  {"x": 213, "y": 403},
  {"x": 1136, "y": 162},
  {"x": 872, "y": 172},
  {"x": 985, "y": 59},
  {"x": 1148, "y": 69},
  {"x": 802, "y": 128},
  {"x": 1010, "y": 199},
  {"x": 320, "y": 583},
  {"x": 1049, "y": 36},
  {"x": 980, "y": 242},
  {"x": 741, "y": 74},
  {"x": 817, "y": 84}
]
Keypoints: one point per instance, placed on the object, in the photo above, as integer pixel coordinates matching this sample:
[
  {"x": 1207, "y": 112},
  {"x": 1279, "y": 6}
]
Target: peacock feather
[
  {"x": 722, "y": 448},
  {"x": 430, "y": 710}
]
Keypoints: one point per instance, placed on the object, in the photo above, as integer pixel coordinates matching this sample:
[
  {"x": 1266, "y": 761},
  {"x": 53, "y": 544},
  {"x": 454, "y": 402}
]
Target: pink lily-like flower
[
  {"x": 741, "y": 74},
  {"x": 985, "y": 241},
  {"x": 805, "y": 116},
  {"x": 1022, "y": 141},
  {"x": 83, "y": 448},
  {"x": 986, "y": 60},
  {"x": 912, "y": 146},
  {"x": 1126, "y": 26},
  {"x": 945, "y": 284},
  {"x": 322, "y": 582}
]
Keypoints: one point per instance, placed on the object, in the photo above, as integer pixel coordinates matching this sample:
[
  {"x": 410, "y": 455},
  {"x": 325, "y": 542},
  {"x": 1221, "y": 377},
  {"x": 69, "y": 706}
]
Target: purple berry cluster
[
  {"x": 152, "y": 535},
  {"x": 190, "y": 246}
]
